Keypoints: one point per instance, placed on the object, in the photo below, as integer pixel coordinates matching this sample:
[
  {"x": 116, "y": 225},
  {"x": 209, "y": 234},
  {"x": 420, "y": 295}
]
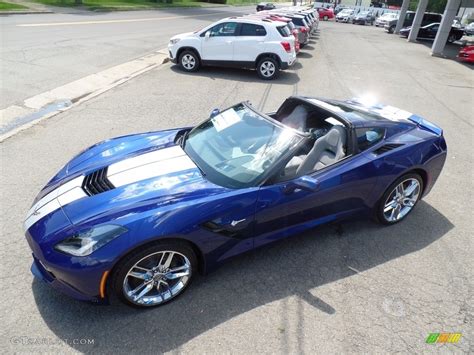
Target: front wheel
[
  {"x": 399, "y": 199},
  {"x": 189, "y": 61},
  {"x": 267, "y": 68},
  {"x": 325, "y": 18},
  {"x": 391, "y": 29},
  {"x": 451, "y": 38},
  {"x": 154, "y": 275}
]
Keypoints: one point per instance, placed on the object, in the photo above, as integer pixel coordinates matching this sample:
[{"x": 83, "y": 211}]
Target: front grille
[{"x": 97, "y": 182}]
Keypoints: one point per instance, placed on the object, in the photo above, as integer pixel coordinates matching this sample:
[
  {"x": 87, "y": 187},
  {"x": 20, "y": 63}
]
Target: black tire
[
  {"x": 271, "y": 71},
  {"x": 391, "y": 29},
  {"x": 187, "y": 59},
  {"x": 379, "y": 212},
  {"x": 116, "y": 285},
  {"x": 451, "y": 38},
  {"x": 325, "y": 18}
]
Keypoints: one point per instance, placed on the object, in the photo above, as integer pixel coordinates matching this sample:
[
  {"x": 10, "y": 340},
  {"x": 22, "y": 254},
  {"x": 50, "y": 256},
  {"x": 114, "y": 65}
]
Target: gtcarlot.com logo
[
  {"x": 443, "y": 338},
  {"x": 37, "y": 341}
]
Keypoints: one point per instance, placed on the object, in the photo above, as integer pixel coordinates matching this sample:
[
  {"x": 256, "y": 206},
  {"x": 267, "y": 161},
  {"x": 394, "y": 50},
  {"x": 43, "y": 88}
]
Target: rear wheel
[
  {"x": 267, "y": 68},
  {"x": 154, "y": 275},
  {"x": 325, "y": 18},
  {"x": 399, "y": 199},
  {"x": 189, "y": 61}
]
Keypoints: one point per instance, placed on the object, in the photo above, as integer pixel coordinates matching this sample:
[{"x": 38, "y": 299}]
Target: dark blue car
[{"x": 136, "y": 217}]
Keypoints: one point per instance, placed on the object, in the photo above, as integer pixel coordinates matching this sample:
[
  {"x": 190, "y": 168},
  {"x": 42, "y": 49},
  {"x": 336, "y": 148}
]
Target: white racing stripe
[
  {"x": 142, "y": 167},
  {"x": 149, "y": 165}
]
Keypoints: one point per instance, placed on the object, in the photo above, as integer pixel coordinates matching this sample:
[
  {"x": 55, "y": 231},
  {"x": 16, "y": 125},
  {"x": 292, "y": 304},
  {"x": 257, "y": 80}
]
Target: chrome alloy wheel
[
  {"x": 188, "y": 62},
  {"x": 401, "y": 200},
  {"x": 157, "y": 278},
  {"x": 267, "y": 69}
]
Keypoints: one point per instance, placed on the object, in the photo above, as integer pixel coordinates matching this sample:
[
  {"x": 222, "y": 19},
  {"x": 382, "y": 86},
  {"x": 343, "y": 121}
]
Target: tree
[{"x": 78, "y": 2}]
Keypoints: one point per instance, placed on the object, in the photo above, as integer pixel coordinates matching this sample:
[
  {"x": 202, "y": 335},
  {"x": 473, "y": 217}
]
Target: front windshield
[{"x": 237, "y": 147}]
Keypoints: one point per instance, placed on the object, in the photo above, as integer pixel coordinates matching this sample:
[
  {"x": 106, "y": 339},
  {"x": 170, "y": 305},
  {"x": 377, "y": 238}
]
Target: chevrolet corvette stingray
[{"x": 135, "y": 218}]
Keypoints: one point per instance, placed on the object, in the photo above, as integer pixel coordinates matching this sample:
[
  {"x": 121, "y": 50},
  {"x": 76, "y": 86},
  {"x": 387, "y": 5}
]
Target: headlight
[
  {"x": 87, "y": 242},
  {"x": 174, "y": 41}
]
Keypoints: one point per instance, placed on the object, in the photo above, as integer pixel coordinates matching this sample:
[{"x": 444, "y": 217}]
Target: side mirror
[
  {"x": 207, "y": 34},
  {"x": 214, "y": 112},
  {"x": 303, "y": 183}
]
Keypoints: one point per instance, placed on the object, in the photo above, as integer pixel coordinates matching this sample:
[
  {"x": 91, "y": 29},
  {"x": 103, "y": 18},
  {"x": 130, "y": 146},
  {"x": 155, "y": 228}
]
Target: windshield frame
[{"x": 259, "y": 180}]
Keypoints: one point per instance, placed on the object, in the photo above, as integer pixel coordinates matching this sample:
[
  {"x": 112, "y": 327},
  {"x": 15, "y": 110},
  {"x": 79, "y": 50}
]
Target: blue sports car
[{"x": 136, "y": 217}]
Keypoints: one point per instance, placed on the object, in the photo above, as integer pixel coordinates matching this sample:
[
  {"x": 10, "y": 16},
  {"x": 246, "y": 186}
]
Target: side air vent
[
  {"x": 97, "y": 182},
  {"x": 386, "y": 148}
]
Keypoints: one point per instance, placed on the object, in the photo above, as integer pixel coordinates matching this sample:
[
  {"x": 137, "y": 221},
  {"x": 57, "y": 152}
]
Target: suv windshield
[{"x": 237, "y": 147}]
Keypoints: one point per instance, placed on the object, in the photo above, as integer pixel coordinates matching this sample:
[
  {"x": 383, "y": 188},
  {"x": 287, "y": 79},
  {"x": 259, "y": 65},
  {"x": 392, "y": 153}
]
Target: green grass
[
  {"x": 6, "y": 6},
  {"x": 111, "y": 5}
]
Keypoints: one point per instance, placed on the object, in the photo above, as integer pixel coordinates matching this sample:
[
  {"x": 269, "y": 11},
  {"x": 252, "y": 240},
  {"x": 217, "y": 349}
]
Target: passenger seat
[{"x": 326, "y": 151}]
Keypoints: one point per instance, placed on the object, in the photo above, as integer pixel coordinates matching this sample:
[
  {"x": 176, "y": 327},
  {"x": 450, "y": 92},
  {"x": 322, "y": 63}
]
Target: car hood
[
  {"x": 183, "y": 35},
  {"x": 120, "y": 176}
]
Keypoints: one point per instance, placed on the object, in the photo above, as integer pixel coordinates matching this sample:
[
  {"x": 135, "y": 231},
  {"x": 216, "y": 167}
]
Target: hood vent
[
  {"x": 97, "y": 182},
  {"x": 386, "y": 148}
]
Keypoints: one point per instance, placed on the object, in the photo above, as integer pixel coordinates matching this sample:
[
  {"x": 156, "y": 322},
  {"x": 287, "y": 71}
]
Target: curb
[
  {"x": 17, "y": 118},
  {"x": 26, "y": 12}
]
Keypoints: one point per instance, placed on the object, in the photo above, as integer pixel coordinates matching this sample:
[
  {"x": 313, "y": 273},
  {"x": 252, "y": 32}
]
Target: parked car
[
  {"x": 429, "y": 32},
  {"x": 428, "y": 17},
  {"x": 364, "y": 18},
  {"x": 339, "y": 8},
  {"x": 267, "y": 46},
  {"x": 469, "y": 29},
  {"x": 300, "y": 23},
  {"x": 137, "y": 217},
  {"x": 382, "y": 20},
  {"x": 346, "y": 15},
  {"x": 325, "y": 14},
  {"x": 263, "y": 15},
  {"x": 265, "y": 6},
  {"x": 466, "y": 53}
]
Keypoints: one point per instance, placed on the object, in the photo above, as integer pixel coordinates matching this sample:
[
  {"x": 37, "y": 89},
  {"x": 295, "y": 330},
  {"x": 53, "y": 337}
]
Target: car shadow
[
  {"x": 285, "y": 77},
  {"x": 296, "y": 266},
  {"x": 303, "y": 54}
]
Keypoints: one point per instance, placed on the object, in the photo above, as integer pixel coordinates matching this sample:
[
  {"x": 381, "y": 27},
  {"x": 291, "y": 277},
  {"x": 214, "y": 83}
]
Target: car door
[
  {"x": 343, "y": 189},
  {"x": 248, "y": 44},
  {"x": 431, "y": 31},
  {"x": 218, "y": 42}
]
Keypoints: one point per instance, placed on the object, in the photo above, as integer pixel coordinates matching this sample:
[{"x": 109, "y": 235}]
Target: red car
[
  {"x": 466, "y": 54},
  {"x": 325, "y": 14}
]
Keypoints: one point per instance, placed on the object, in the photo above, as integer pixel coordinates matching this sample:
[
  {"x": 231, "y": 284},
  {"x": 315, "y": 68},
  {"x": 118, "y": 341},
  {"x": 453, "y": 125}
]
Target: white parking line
[{"x": 79, "y": 23}]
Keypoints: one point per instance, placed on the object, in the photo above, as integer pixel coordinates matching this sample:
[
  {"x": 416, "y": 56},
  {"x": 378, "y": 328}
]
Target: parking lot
[{"x": 348, "y": 287}]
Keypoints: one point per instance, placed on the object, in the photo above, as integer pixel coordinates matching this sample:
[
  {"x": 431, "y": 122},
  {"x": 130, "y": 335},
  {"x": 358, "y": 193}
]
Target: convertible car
[{"x": 134, "y": 218}]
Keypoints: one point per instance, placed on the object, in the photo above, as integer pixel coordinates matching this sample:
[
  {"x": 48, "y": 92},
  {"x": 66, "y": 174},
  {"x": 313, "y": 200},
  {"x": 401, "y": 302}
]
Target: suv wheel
[
  {"x": 267, "y": 68},
  {"x": 189, "y": 61}
]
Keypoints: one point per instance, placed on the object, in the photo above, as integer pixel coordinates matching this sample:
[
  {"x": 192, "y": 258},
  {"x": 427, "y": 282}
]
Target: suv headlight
[
  {"x": 84, "y": 243},
  {"x": 174, "y": 41}
]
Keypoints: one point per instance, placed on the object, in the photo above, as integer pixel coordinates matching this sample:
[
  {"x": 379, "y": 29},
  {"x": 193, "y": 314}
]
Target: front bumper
[
  {"x": 172, "y": 53},
  {"x": 40, "y": 272}
]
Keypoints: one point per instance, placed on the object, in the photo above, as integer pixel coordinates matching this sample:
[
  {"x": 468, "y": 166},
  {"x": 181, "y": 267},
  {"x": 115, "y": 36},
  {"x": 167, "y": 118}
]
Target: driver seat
[{"x": 326, "y": 151}]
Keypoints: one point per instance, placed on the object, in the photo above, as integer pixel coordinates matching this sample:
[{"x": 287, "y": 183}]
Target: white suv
[{"x": 264, "y": 45}]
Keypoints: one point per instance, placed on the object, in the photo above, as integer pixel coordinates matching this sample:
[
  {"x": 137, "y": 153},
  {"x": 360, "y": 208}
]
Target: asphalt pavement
[
  {"x": 41, "y": 52},
  {"x": 351, "y": 287}
]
